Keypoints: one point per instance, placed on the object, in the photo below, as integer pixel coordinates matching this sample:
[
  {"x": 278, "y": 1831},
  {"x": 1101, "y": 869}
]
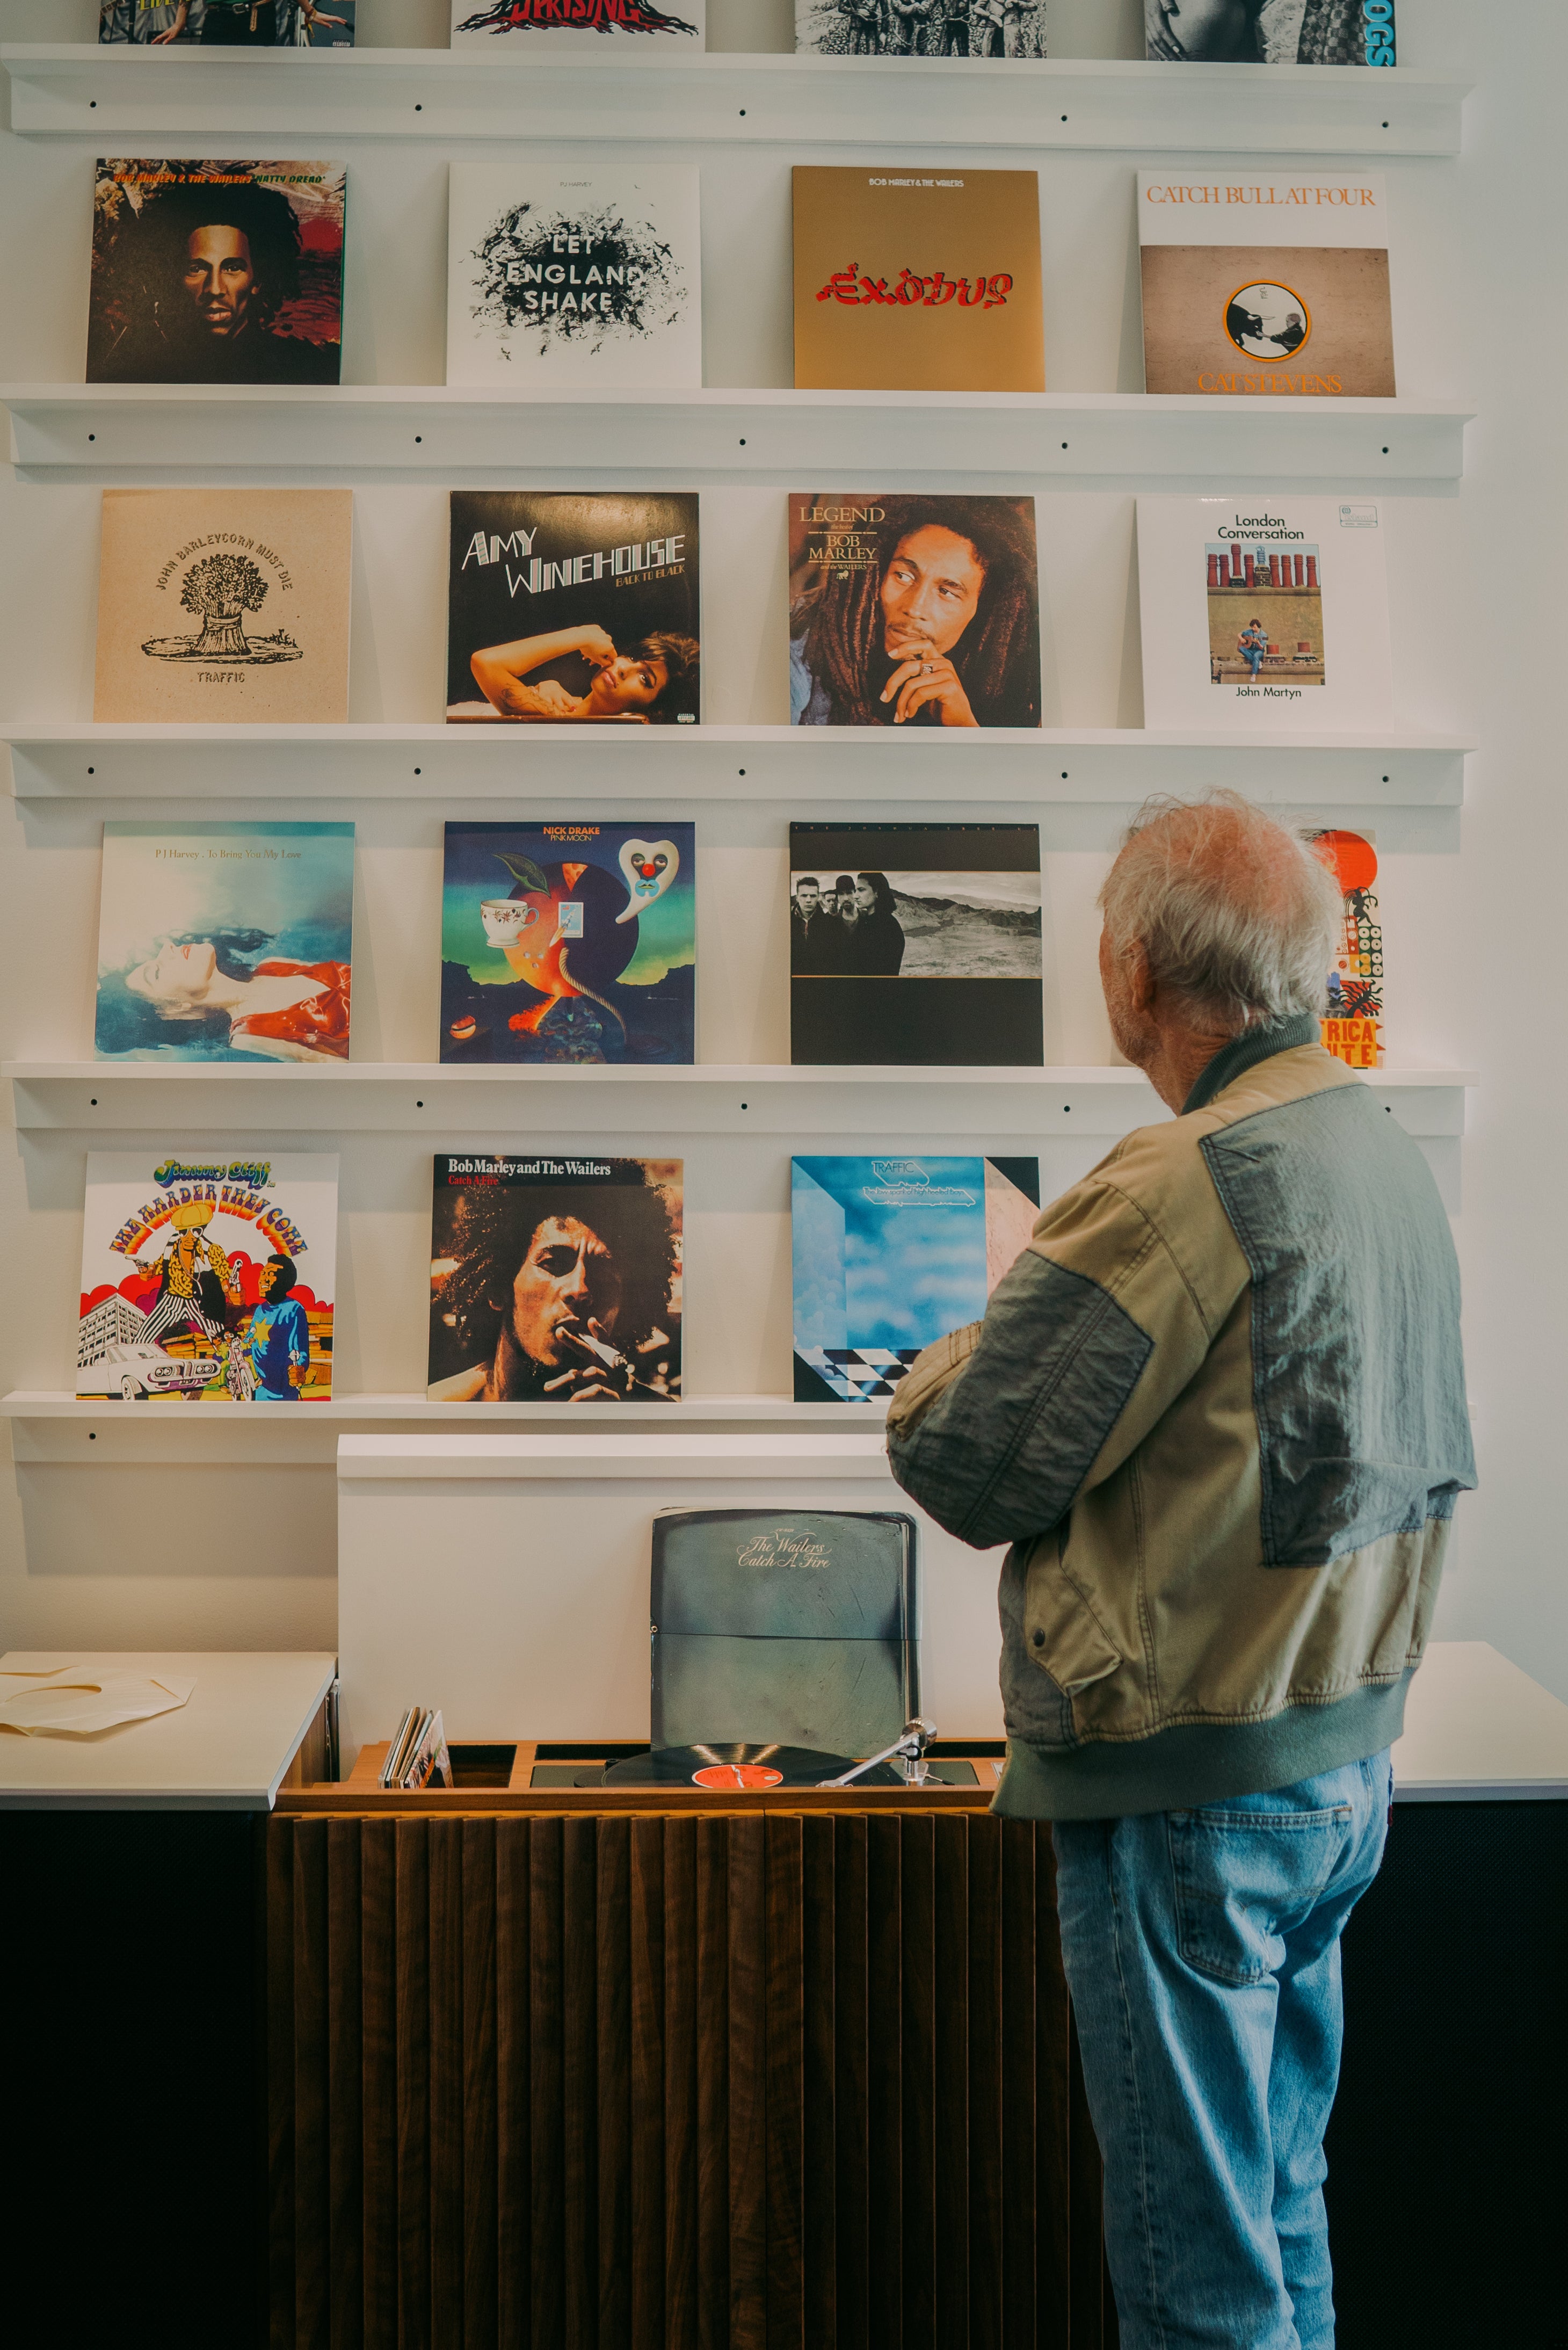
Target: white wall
[{"x": 242, "y": 1554}]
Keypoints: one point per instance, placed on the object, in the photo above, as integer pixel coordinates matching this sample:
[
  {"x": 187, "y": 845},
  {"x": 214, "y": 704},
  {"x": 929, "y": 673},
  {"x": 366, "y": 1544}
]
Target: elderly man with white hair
[{"x": 1216, "y": 1409}]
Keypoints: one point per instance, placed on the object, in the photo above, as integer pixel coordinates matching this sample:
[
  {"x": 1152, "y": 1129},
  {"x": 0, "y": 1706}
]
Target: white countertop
[
  {"x": 1477, "y": 1729},
  {"x": 226, "y": 1749}
]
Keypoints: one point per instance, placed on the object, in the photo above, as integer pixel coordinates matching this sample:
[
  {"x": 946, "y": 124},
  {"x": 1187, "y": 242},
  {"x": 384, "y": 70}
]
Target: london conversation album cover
[
  {"x": 573, "y": 278},
  {"x": 569, "y": 27},
  {"x": 229, "y": 24},
  {"x": 889, "y": 1254},
  {"x": 1270, "y": 613},
  {"x": 209, "y": 1278},
  {"x": 917, "y": 279},
  {"x": 570, "y": 941},
  {"x": 209, "y": 272},
  {"x": 571, "y": 607},
  {"x": 224, "y": 605},
  {"x": 1266, "y": 289},
  {"x": 920, "y": 28},
  {"x": 915, "y": 943},
  {"x": 912, "y": 608},
  {"x": 1270, "y": 32},
  {"x": 556, "y": 1279},
  {"x": 224, "y": 942}
]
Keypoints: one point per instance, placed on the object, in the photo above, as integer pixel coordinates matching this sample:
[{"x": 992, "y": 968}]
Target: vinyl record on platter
[{"x": 735, "y": 1769}]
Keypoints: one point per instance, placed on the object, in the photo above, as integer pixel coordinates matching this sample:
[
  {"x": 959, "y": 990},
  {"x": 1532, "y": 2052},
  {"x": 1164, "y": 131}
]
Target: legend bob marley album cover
[
  {"x": 573, "y": 606},
  {"x": 216, "y": 273},
  {"x": 556, "y": 1280},
  {"x": 568, "y": 941}
]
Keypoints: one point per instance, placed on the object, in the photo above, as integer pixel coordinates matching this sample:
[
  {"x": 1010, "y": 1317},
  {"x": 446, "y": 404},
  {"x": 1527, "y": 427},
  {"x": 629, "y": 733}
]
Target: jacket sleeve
[{"x": 1086, "y": 1341}]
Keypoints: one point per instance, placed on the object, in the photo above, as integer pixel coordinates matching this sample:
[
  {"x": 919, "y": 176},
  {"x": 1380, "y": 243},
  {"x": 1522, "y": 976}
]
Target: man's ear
[{"x": 1139, "y": 977}]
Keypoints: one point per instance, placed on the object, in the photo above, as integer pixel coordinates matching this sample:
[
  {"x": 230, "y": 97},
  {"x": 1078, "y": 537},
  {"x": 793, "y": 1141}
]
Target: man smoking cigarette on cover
[{"x": 1217, "y": 1409}]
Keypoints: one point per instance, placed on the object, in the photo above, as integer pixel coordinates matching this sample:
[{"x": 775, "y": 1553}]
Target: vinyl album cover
[
  {"x": 920, "y": 28},
  {"x": 1353, "y": 1029},
  {"x": 224, "y": 942},
  {"x": 942, "y": 268},
  {"x": 232, "y": 23},
  {"x": 891, "y": 1254},
  {"x": 1264, "y": 612},
  {"x": 556, "y": 1280},
  {"x": 561, "y": 26},
  {"x": 573, "y": 606},
  {"x": 209, "y": 1278},
  {"x": 217, "y": 272},
  {"x": 912, "y": 608},
  {"x": 1270, "y": 32},
  {"x": 915, "y": 943},
  {"x": 224, "y": 605},
  {"x": 1266, "y": 289},
  {"x": 572, "y": 278},
  {"x": 569, "y": 941}
]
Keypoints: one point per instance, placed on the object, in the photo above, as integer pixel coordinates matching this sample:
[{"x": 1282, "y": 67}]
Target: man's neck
[{"x": 1178, "y": 1059}]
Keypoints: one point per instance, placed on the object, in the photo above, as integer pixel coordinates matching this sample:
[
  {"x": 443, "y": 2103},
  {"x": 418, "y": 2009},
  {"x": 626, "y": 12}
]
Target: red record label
[{"x": 728, "y": 1775}]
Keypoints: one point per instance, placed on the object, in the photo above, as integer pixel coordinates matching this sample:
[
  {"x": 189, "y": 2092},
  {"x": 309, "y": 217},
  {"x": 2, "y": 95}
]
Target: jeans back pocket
[{"x": 1242, "y": 1878}]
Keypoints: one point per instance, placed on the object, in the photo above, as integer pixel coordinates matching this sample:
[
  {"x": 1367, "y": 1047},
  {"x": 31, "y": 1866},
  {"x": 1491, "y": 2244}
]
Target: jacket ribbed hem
[{"x": 1200, "y": 1762}]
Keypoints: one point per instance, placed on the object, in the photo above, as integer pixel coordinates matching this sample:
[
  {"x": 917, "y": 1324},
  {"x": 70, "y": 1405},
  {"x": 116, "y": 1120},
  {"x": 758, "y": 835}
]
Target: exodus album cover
[
  {"x": 224, "y": 942},
  {"x": 891, "y": 1254},
  {"x": 573, "y": 606},
  {"x": 556, "y": 1279},
  {"x": 568, "y": 941},
  {"x": 1266, "y": 289},
  {"x": 216, "y": 273},
  {"x": 209, "y": 1278},
  {"x": 915, "y": 943},
  {"x": 912, "y": 608}
]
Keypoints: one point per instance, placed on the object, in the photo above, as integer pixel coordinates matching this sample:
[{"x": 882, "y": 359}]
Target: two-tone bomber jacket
[{"x": 1217, "y": 1409}]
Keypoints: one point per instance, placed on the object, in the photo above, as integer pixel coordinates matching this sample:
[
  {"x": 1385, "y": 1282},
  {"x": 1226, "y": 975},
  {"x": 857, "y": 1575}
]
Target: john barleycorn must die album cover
[
  {"x": 912, "y": 608},
  {"x": 556, "y": 1279},
  {"x": 217, "y": 272},
  {"x": 568, "y": 605},
  {"x": 569, "y": 940},
  {"x": 1266, "y": 289},
  {"x": 226, "y": 942},
  {"x": 208, "y": 1278},
  {"x": 573, "y": 278}
]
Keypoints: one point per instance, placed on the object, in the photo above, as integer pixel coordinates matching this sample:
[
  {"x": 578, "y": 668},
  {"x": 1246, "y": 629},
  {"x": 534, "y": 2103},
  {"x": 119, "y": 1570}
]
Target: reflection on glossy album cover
[
  {"x": 567, "y": 277},
  {"x": 1266, "y": 289},
  {"x": 556, "y": 1280},
  {"x": 1270, "y": 32},
  {"x": 224, "y": 942},
  {"x": 224, "y": 605},
  {"x": 917, "y": 280},
  {"x": 1353, "y": 1027},
  {"x": 920, "y": 28},
  {"x": 561, "y": 28},
  {"x": 573, "y": 606},
  {"x": 208, "y": 1278},
  {"x": 891, "y": 1254},
  {"x": 912, "y": 608},
  {"x": 217, "y": 272},
  {"x": 915, "y": 943},
  {"x": 569, "y": 941},
  {"x": 229, "y": 23}
]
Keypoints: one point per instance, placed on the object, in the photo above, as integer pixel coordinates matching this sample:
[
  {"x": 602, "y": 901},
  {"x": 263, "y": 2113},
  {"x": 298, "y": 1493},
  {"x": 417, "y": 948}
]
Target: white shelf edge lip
[
  {"x": 698, "y": 1073},
  {"x": 23, "y": 397},
  {"x": 30, "y": 732},
  {"x": 675, "y": 1455},
  {"x": 57, "y": 1403}
]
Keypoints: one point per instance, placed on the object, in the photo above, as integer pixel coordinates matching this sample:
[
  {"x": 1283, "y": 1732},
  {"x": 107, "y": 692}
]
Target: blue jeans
[{"x": 1203, "y": 1954}]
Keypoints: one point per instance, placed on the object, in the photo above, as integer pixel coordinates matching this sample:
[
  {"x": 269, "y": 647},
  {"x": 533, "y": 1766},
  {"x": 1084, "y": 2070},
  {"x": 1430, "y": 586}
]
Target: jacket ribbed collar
[{"x": 1245, "y": 1051}]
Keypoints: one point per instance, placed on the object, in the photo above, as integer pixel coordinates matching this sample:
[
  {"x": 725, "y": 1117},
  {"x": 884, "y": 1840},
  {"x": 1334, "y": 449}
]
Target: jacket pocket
[
  {"x": 1061, "y": 1631},
  {"x": 1241, "y": 1878}
]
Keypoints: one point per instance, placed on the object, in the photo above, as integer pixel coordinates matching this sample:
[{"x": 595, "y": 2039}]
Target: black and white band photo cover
[
  {"x": 228, "y": 24},
  {"x": 916, "y": 944},
  {"x": 213, "y": 272},
  {"x": 912, "y": 610},
  {"x": 556, "y": 1279},
  {"x": 568, "y": 607},
  {"x": 920, "y": 28}
]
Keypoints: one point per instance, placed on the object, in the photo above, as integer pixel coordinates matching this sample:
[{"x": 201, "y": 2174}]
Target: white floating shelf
[
  {"x": 668, "y": 765},
  {"x": 707, "y": 1098},
  {"x": 85, "y": 431},
  {"x": 492, "y": 92}
]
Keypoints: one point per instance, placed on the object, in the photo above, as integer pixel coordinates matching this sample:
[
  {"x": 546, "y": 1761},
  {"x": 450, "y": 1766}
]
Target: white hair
[{"x": 1236, "y": 914}]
